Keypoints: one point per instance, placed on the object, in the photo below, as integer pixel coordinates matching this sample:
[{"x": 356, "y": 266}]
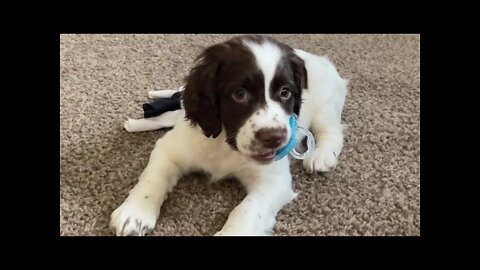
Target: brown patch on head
[
  {"x": 251, "y": 38},
  {"x": 222, "y": 70},
  {"x": 291, "y": 74}
]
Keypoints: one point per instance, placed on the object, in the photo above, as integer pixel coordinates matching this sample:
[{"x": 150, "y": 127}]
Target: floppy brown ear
[
  {"x": 300, "y": 78},
  {"x": 200, "y": 95}
]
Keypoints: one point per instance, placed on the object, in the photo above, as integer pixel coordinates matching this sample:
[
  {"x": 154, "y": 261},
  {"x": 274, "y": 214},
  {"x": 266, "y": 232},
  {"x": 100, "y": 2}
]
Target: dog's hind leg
[
  {"x": 165, "y": 120},
  {"x": 163, "y": 93}
]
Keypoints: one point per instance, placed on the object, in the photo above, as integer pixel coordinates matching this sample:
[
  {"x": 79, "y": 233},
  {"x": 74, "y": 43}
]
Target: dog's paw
[
  {"x": 323, "y": 159},
  {"x": 220, "y": 233},
  {"x": 231, "y": 233},
  {"x": 133, "y": 219},
  {"x": 225, "y": 232}
]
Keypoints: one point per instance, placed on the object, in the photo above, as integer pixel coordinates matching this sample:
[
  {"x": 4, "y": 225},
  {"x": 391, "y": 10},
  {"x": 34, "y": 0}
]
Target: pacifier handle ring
[
  {"x": 310, "y": 144},
  {"x": 289, "y": 149}
]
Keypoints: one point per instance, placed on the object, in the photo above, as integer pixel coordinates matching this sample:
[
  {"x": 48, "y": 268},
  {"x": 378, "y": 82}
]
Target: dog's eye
[
  {"x": 240, "y": 95},
  {"x": 285, "y": 93}
]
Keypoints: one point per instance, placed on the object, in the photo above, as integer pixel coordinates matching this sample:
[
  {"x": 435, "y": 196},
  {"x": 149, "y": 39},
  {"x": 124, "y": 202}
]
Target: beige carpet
[{"x": 375, "y": 190}]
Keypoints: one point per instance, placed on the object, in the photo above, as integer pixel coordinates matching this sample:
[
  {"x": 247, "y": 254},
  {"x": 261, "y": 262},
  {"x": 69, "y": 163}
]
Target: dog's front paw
[
  {"x": 231, "y": 233},
  {"x": 225, "y": 232},
  {"x": 220, "y": 233},
  {"x": 323, "y": 159},
  {"x": 133, "y": 219}
]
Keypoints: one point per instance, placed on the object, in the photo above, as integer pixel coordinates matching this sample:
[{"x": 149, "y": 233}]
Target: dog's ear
[
  {"x": 300, "y": 78},
  {"x": 200, "y": 96}
]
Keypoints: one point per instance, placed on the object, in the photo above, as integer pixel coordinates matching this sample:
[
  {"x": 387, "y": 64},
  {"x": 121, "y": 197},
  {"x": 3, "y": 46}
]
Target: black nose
[{"x": 271, "y": 138}]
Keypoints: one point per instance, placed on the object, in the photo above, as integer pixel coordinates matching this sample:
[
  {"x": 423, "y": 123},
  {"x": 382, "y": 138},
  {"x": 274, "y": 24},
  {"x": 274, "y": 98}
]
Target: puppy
[{"x": 236, "y": 106}]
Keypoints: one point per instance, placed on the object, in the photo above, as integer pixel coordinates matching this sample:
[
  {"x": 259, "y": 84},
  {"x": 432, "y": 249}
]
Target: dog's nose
[{"x": 270, "y": 137}]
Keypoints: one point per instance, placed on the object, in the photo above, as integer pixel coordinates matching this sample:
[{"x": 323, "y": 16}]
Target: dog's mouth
[{"x": 265, "y": 157}]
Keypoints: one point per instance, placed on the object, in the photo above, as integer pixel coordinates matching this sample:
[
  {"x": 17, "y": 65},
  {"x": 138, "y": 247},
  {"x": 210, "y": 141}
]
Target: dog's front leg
[
  {"x": 139, "y": 212},
  {"x": 256, "y": 214}
]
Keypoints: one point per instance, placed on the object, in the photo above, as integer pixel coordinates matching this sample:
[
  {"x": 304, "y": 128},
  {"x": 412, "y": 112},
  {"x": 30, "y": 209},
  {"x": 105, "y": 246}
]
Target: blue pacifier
[{"x": 298, "y": 133}]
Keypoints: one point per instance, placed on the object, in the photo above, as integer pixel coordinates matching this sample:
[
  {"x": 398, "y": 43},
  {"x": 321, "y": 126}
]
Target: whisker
[{"x": 231, "y": 136}]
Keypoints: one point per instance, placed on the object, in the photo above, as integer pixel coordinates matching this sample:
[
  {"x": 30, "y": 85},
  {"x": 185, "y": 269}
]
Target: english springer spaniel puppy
[{"x": 236, "y": 107}]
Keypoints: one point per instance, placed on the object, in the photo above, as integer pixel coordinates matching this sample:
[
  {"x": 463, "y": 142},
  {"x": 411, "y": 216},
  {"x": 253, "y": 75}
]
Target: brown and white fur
[{"x": 236, "y": 104}]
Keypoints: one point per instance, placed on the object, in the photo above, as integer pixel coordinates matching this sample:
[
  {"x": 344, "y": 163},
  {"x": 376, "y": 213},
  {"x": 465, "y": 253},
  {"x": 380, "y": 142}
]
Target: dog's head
[{"x": 247, "y": 86}]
